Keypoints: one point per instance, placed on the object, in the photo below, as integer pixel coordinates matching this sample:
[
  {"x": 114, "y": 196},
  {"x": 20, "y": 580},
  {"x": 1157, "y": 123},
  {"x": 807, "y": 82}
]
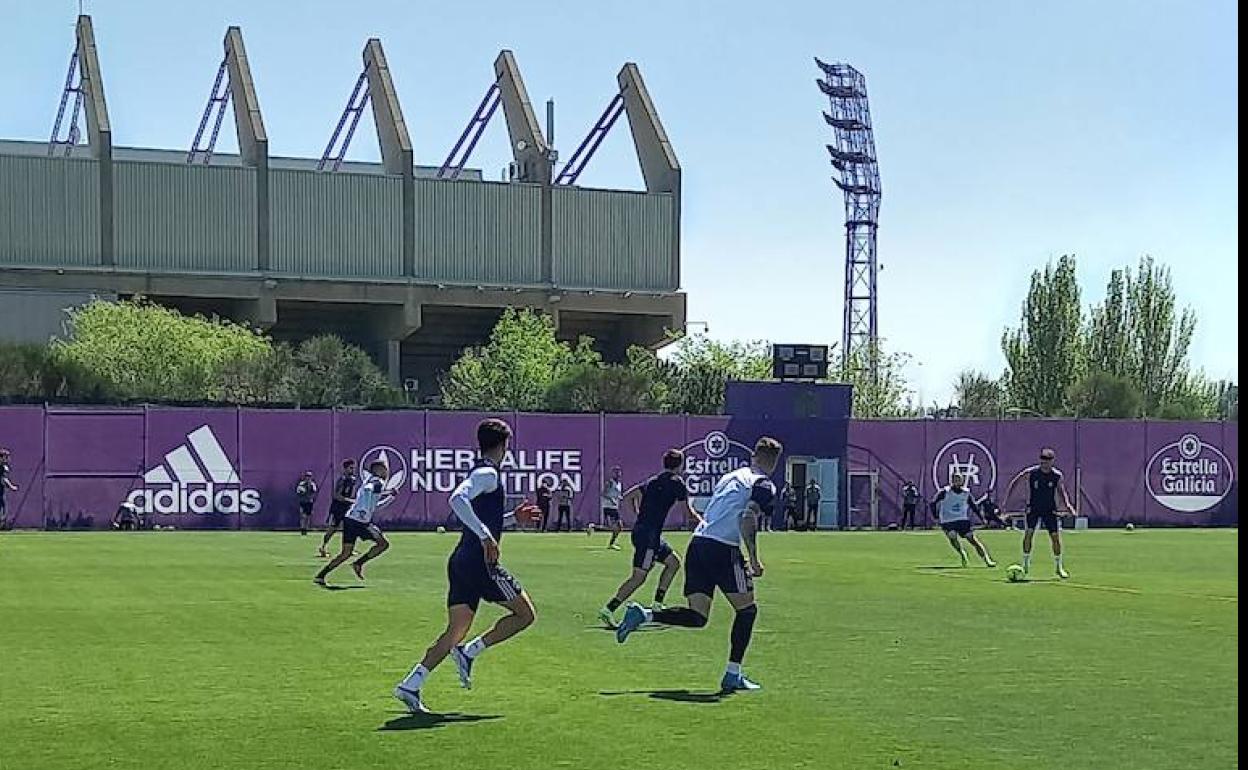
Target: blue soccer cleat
[
  {"x": 634, "y": 616},
  {"x": 463, "y": 664},
  {"x": 737, "y": 683}
]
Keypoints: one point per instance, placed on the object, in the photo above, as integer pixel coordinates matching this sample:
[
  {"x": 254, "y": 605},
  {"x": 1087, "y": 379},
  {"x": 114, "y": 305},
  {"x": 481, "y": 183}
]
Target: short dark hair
[
  {"x": 492, "y": 433},
  {"x": 377, "y": 464},
  {"x": 347, "y": 463},
  {"x": 673, "y": 459},
  {"x": 768, "y": 447}
]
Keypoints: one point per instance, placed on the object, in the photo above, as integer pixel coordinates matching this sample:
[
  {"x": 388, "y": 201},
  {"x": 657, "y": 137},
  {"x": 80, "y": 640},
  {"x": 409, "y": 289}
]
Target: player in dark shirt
[
  {"x": 990, "y": 512},
  {"x": 5, "y": 485},
  {"x": 344, "y": 495},
  {"x": 909, "y": 505},
  {"x": 474, "y": 572},
  {"x": 651, "y": 502},
  {"x": 1044, "y": 483}
]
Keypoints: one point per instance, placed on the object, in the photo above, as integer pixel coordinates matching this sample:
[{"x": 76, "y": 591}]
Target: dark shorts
[
  {"x": 471, "y": 580},
  {"x": 305, "y": 509},
  {"x": 611, "y": 513},
  {"x": 1049, "y": 520},
  {"x": 353, "y": 530},
  {"x": 908, "y": 509},
  {"x": 337, "y": 511},
  {"x": 710, "y": 564},
  {"x": 649, "y": 548},
  {"x": 962, "y": 527}
]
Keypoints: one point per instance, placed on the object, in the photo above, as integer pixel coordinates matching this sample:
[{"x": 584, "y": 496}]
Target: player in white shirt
[
  {"x": 611, "y": 494},
  {"x": 714, "y": 560},
  {"x": 954, "y": 506},
  {"x": 358, "y": 524}
]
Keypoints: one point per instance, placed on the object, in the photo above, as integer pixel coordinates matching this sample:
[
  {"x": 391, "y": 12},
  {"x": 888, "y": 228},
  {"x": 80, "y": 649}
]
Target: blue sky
[{"x": 1008, "y": 133}]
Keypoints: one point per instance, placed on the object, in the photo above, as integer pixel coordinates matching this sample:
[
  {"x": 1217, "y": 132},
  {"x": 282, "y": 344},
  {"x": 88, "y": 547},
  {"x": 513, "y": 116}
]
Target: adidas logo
[{"x": 199, "y": 471}]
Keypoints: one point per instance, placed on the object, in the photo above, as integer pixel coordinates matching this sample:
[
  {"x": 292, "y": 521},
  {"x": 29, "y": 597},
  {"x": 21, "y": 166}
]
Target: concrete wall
[{"x": 37, "y": 316}]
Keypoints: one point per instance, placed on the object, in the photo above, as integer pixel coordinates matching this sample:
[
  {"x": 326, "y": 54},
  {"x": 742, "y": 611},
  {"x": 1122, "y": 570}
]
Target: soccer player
[
  {"x": 1044, "y": 482},
  {"x": 563, "y": 501},
  {"x": 990, "y": 512},
  {"x": 474, "y": 572},
  {"x": 611, "y": 494},
  {"x": 714, "y": 560},
  {"x": 954, "y": 506},
  {"x": 909, "y": 504},
  {"x": 651, "y": 500},
  {"x": 6, "y": 485},
  {"x": 358, "y": 524},
  {"x": 344, "y": 495},
  {"x": 305, "y": 491}
]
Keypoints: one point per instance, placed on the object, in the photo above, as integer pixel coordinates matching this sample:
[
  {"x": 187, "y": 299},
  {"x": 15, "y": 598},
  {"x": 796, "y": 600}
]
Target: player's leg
[
  {"x": 380, "y": 544},
  {"x": 635, "y": 580},
  {"x": 1055, "y": 536},
  {"x": 952, "y": 537},
  {"x": 742, "y": 631},
  {"x": 458, "y": 621},
  {"x": 305, "y": 517},
  {"x": 332, "y": 524},
  {"x": 616, "y": 529},
  {"x": 507, "y": 592},
  {"x": 348, "y": 548},
  {"x": 1029, "y": 535},
  {"x": 671, "y": 565},
  {"x": 980, "y": 548}
]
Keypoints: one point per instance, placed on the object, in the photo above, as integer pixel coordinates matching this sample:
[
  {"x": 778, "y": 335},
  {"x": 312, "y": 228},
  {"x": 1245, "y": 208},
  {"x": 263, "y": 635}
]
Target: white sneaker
[{"x": 411, "y": 700}]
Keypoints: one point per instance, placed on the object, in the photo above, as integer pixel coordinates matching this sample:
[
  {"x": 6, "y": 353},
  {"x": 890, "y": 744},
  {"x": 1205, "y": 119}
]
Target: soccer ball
[
  {"x": 1130, "y": 527},
  {"x": 1014, "y": 573},
  {"x": 589, "y": 529},
  {"x": 441, "y": 530}
]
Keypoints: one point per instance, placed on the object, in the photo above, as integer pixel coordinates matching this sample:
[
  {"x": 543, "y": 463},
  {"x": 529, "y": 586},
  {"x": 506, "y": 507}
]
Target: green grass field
[{"x": 214, "y": 650}]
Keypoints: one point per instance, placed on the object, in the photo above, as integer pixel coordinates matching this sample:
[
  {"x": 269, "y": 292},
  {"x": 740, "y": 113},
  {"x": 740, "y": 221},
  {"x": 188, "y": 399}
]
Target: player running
[
  {"x": 714, "y": 560},
  {"x": 344, "y": 495},
  {"x": 651, "y": 500},
  {"x": 1044, "y": 482},
  {"x": 611, "y": 494},
  {"x": 954, "y": 506},
  {"x": 474, "y": 572},
  {"x": 358, "y": 524}
]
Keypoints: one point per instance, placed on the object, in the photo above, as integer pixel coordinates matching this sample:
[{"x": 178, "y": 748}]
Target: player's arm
[
  {"x": 691, "y": 512},
  {"x": 1013, "y": 483},
  {"x": 632, "y": 498},
  {"x": 762, "y": 500},
  {"x": 481, "y": 481},
  {"x": 1061, "y": 487}
]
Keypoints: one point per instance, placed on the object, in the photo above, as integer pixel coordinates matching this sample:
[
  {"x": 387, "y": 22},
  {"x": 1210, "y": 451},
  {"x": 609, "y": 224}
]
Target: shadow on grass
[
  {"x": 679, "y": 696},
  {"x": 941, "y": 567},
  {"x": 433, "y": 721},
  {"x": 342, "y": 588},
  {"x": 642, "y": 630}
]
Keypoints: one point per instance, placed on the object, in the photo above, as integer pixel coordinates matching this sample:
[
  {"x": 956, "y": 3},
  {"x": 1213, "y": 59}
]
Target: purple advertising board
[{"x": 237, "y": 468}]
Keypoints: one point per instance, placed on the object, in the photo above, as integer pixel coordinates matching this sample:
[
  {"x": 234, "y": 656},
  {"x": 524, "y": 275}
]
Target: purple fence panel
[
  {"x": 1112, "y": 455},
  {"x": 1018, "y": 448},
  {"x": 93, "y": 461},
  {"x": 1188, "y": 475},
  {"x": 275, "y": 448},
  {"x": 965, "y": 447},
  {"x": 636, "y": 443},
  {"x": 190, "y": 477},
  {"x": 396, "y": 439},
  {"x": 21, "y": 432},
  {"x": 558, "y": 448},
  {"x": 895, "y": 450}
]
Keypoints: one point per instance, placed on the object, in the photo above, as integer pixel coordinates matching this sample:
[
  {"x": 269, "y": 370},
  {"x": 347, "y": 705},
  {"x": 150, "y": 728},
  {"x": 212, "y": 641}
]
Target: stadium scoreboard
[{"x": 799, "y": 362}]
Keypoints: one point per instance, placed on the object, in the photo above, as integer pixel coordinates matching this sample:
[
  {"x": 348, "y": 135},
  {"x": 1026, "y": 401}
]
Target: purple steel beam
[
  {"x": 60, "y": 110},
  {"x": 476, "y": 127},
  {"x": 580, "y": 159},
  {"x": 351, "y": 108}
]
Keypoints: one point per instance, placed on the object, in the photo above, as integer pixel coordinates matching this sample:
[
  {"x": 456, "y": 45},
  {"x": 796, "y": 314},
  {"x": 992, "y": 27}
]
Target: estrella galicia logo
[
  {"x": 968, "y": 458},
  {"x": 394, "y": 462},
  {"x": 1189, "y": 475},
  {"x": 711, "y": 457}
]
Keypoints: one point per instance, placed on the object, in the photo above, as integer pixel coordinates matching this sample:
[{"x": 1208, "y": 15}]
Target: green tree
[
  {"x": 888, "y": 394},
  {"x": 978, "y": 396},
  {"x": 145, "y": 351},
  {"x": 701, "y": 369},
  {"x": 31, "y": 371},
  {"x": 1161, "y": 338},
  {"x": 329, "y": 372},
  {"x": 516, "y": 368},
  {"x": 595, "y": 388},
  {"x": 265, "y": 378},
  {"x": 1101, "y": 394},
  {"x": 1044, "y": 355},
  {"x": 1109, "y": 335}
]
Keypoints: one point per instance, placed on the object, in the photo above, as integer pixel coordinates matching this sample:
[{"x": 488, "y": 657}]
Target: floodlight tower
[{"x": 853, "y": 156}]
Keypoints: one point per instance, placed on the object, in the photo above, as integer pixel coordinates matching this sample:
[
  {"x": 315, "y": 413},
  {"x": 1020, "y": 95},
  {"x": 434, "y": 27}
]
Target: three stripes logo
[{"x": 196, "y": 477}]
